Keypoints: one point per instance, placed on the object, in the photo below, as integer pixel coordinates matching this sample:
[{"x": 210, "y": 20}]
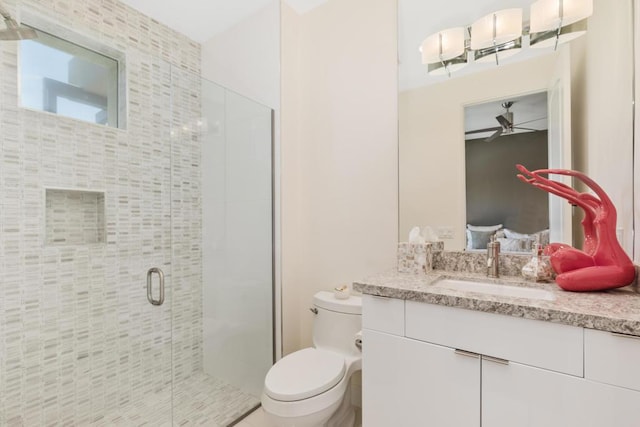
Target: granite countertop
[{"x": 616, "y": 310}]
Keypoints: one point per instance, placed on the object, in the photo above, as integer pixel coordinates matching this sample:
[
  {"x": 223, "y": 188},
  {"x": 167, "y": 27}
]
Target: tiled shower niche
[{"x": 74, "y": 217}]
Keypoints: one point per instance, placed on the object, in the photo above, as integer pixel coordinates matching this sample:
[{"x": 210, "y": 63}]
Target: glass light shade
[
  {"x": 496, "y": 28},
  {"x": 443, "y": 45},
  {"x": 547, "y": 39},
  {"x": 548, "y": 15}
]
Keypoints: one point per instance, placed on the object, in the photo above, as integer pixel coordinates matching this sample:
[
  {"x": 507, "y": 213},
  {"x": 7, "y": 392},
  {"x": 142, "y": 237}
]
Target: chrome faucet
[{"x": 493, "y": 258}]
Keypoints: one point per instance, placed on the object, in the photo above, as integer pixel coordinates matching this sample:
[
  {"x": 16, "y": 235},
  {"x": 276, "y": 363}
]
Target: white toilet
[{"x": 310, "y": 387}]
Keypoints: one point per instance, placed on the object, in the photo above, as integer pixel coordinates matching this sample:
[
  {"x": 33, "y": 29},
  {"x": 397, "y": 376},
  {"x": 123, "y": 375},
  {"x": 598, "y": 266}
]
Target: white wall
[
  {"x": 339, "y": 151},
  {"x": 602, "y": 107},
  {"x": 236, "y": 239},
  {"x": 432, "y": 175},
  {"x": 246, "y": 59},
  {"x": 636, "y": 153}
]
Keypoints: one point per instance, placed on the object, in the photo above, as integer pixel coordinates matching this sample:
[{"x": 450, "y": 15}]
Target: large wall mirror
[{"x": 461, "y": 133}]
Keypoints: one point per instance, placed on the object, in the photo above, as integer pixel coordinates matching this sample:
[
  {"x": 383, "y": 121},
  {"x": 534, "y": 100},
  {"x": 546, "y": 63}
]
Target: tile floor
[
  {"x": 256, "y": 419},
  {"x": 200, "y": 401},
  {"x": 259, "y": 419}
]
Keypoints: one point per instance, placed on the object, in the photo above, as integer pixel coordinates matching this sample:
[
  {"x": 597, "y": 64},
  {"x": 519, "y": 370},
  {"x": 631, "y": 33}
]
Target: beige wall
[
  {"x": 289, "y": 173},
  {"x": 339, "y": 151},
  {"x": 432, "y": 175}
]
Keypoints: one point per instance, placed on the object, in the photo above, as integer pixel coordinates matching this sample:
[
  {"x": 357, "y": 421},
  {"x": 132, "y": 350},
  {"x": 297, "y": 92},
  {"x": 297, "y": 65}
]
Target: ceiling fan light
[
  {"x": 496, "y": 28},
  {"x": 549, "y": 15},
  {"x": 443, "y": 45}
]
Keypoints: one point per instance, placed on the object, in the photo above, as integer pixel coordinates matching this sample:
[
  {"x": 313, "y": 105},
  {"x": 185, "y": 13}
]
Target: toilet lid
[{"x": 303, "y": 374}]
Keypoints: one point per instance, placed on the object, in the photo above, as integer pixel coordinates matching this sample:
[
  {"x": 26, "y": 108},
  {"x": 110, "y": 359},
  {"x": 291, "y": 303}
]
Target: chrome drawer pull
[
  {"x": 496, "y": 360},
  {"x": 466, "y": 353},
  {"x": 617, "y": 334},
  {"x": 160, "y": 274}
]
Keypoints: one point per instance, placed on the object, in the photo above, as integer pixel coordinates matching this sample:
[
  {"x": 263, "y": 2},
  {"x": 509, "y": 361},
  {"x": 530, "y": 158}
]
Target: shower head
[
  {"x": 16, "y": 32},
  {"x": 13, "y": 31}
]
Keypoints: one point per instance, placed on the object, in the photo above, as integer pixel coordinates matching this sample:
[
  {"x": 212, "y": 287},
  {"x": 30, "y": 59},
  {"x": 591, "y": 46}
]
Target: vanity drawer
[
  {"x": 536, "y": 343},
  {"x": 383, "y": 314},
  {"x": 612, "y": 358}
]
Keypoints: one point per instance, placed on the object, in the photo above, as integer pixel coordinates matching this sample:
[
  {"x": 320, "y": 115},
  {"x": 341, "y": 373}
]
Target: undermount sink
[{"x": 494, "y": 289}]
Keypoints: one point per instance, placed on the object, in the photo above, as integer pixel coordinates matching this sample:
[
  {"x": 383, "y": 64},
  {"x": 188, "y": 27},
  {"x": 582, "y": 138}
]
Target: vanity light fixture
[
  {"x": 497, "y": 35},
  {"x": 445, "y": 51},
  {"x": 448, "y": 67},
  {"x": 443, "y": 45},
  {"x": 558, "y": 21}
]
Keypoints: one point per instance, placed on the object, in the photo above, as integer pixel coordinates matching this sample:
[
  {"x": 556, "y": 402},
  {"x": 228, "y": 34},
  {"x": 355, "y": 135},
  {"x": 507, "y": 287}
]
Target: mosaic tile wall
[
  {"x": 78, "y": 338},
  {"x": 186, "y": 229}
]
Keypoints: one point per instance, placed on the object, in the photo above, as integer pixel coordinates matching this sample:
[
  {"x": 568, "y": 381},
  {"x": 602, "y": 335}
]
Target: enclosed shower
[{"x": 136, "y": 252}]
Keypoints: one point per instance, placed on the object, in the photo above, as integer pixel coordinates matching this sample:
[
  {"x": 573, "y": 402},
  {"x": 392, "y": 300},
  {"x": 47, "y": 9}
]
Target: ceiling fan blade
[
  {"x": 506, "y": 124},
  {"x": 530, "y": 121},
  {"x": 531, "y": 129},
  {"x": 495, "y": 135},
  {"x": 493, "y": 129}
]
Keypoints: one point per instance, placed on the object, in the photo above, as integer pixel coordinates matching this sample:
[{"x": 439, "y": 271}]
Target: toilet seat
[{"x": 304, "y": 374}]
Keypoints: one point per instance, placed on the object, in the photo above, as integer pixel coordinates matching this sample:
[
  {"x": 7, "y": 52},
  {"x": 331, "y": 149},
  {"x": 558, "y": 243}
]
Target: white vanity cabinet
[
  {"x": 446, "y": 366},
  {"x": 399, "y": 375},
  {"x": 525, "y": 396},
  {"x": 612, "y": 358}
]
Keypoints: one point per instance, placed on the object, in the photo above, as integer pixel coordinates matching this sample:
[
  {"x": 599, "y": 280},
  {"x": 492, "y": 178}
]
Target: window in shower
[{"x": 61, "y": 77}]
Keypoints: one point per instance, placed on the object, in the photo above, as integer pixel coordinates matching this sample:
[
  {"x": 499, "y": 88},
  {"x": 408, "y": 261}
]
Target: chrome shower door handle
[{"x": 160, "y": 300}]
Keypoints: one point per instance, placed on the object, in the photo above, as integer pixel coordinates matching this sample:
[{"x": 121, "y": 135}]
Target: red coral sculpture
[{"x": 602, "y": 264}]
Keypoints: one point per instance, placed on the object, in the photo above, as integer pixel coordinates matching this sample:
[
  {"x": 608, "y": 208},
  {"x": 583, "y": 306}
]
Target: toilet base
[
  {"x": 349, "y": 420},
  {"x": 345, "y": 415},
  {"x": 340, "y": 414}
]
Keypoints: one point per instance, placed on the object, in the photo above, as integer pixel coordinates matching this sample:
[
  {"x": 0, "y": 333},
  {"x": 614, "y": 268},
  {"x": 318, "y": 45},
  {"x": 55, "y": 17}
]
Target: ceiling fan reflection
[{"x": 507, "y": 125}]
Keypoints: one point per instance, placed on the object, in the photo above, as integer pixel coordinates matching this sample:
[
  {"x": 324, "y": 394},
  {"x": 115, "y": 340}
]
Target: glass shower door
[{"x": 222, "y": 251}]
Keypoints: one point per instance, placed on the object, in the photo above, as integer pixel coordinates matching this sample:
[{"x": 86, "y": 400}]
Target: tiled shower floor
[{"x": 200, "y": 401}]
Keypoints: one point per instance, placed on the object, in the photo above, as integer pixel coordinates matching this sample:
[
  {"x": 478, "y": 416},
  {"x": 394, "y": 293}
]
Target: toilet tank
[{"x": 337, "y": 322}]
